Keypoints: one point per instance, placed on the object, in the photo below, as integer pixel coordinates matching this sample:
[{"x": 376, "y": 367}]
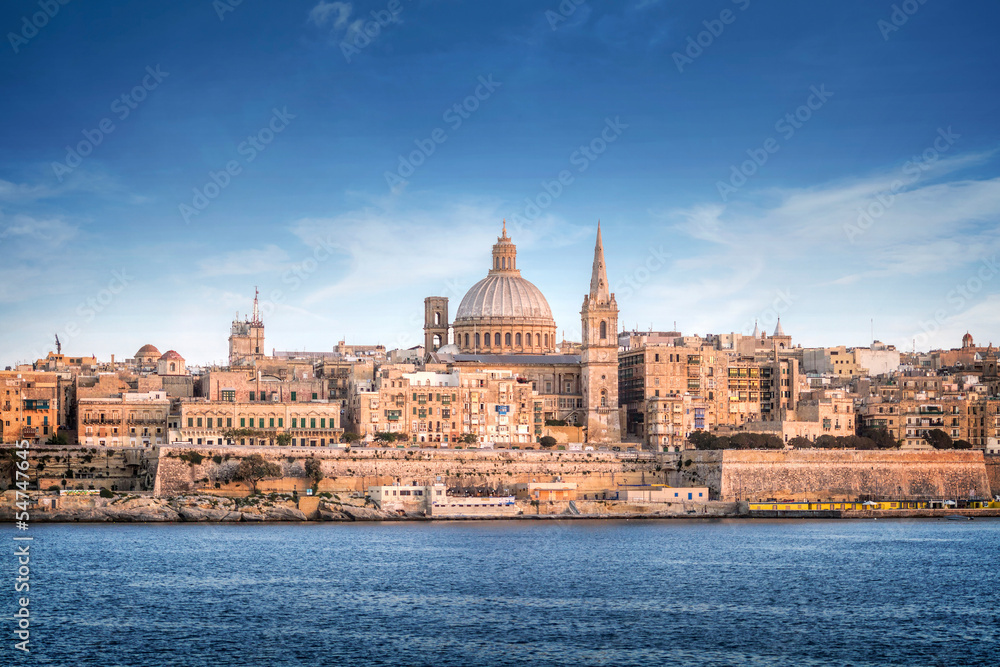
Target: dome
[
  {"x": 449, "y": 349},
  {"x": 148, "y": 351},
  {"x": 171, "y": 355},
  {"x": 501, "y": 295}
]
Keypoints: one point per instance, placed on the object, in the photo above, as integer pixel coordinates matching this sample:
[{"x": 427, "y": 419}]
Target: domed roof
[
  {"x": 148, "y": 351},
  {"x": 504, "y": 294},
  {"x": 171, "y": 355},
  {"x": 449, "y": 349}
]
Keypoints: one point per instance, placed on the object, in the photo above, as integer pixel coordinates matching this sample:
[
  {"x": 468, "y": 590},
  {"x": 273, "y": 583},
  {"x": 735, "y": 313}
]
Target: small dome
[
  {"x": 148, "y": 351},
  {"x": 171, "y": 355},
  {"x": 449, "y": 349}
]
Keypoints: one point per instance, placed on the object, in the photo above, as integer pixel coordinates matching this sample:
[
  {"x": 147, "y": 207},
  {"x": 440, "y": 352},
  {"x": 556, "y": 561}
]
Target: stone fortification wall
[
  {"x": 993, "y": 473},
  {"x": 813, "y": 474},
  {"x": 356, "y": 470}
]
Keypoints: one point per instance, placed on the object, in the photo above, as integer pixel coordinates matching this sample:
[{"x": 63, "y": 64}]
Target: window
[
  {"x": 546, "y": 340},
  {"x": 209, "y": 423},
  {"x": 251, "y": 395},
  {"x": 229, "y": 423},
  {"x": 312, "y": 422},
  {"x": 281, "y": 422},
  {"x": 437, "y": 318},
  {"x": 486, "y": 339},
  {"x": 322, "y": 422},
  {"x": 229, "y": 395},
  {"x": 243, "y": 422},
  {"x": 477, "y": 339},
  {"x": 604, "y": 329},
  {"x": 199, "y": 422},
  {"x": 190, "y": 422},
  {"x": 295, "y": 422},
  {"x": 293, "y": 395},
  {"x": 517, "y": 340},
  {"x": 538, "y": 340},
  {"x": 496, "y": 339},
  {"x": 506, "y": 339},
  {"x": 466, "y": 340},
  {"x": 315, "y": 396},
  {"x": 271, "y": 422}
]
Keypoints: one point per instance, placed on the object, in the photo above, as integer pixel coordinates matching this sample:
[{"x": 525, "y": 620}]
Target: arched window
[
  {"x": 538, "y": 340},
  {"x": 506, "y": 339},
  {"x": 496, "y": 339},
  {"x": 604, "y": 329},
  {"x": 173, "y": 367},
  {"x": 604, "y": 398},
  {"x": 486, "y": 339},
  {"x": 466, "y": 340},
  {"x": 546, "y": 340},
  {"x": 503, "y": 263},
  {"x": 477, "y": 339},
  {"x": 517, "y": 340},
  {"x": 498, "y": 262},
  {"x": 437, "y": 341},
  {"x": 437, "y": 318}
]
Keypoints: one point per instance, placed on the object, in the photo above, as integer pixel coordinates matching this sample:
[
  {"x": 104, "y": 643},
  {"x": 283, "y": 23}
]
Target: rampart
[
  {"x": 813, "y": 474},
  {"x": 595, "y": 473}
]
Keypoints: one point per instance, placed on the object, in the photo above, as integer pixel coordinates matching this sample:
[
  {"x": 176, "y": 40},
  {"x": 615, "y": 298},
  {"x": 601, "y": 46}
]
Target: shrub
[{"x": 105, "y": 493}]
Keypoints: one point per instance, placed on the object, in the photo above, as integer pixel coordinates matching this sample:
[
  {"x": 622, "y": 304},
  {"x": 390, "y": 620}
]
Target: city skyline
[{"x": 872, "y": 200}]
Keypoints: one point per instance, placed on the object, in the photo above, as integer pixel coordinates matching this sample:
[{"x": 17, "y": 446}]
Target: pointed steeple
[
  {"x": 599, "y": 277},
  {"x": 778, "y": 331},
  {"x": 255, "y": 317},
  {"x": 756, "y": 330},
  {"x": 504, "y": 255}
]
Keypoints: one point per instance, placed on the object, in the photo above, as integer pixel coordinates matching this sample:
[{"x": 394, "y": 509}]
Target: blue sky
[{"x": 869, "y": 135}]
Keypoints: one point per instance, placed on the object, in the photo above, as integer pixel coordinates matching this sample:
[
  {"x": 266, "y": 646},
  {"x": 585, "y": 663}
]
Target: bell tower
[
  {"x": 435, "y": 323},
  {"x": 599, "y": 354}
]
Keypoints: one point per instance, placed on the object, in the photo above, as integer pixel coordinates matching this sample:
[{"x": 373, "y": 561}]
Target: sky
[{"x": 834, "y": 163}]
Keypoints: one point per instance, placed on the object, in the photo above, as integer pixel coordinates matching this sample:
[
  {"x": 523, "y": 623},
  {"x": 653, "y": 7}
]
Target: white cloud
[
  {"x": 269, "y": 259},
  {"x": 321, "y": 13}
]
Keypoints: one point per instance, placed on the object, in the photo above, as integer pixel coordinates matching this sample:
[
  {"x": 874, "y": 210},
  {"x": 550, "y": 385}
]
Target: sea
[{"x": 563, "y": 592}]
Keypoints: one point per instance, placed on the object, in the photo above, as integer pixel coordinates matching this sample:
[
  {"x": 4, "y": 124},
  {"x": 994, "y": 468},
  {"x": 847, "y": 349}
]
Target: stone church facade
[{"x": 504, "y": 323}]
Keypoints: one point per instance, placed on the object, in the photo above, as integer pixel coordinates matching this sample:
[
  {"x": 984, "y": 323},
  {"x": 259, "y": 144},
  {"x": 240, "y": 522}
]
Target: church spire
[
  {"x": 599, "y": 277},
  {"x": 504, "y": 255}
]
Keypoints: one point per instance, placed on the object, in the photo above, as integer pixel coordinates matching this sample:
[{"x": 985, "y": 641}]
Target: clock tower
[{"x": 599, "y": 355}]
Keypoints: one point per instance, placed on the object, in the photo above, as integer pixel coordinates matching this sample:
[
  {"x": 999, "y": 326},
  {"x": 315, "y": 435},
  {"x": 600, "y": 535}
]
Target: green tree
[
  {"x": 469, "y": 439},
  {"x": 314, "y": 471},
  {"x": 349, "y": 437},
  {"x": 938, "y": 439},
  {"x": 800, "y": 443},
  {"x": 961, "y": 444},
  {"x": 284, "y": 439},
  {"x": 57, "y": 439},
  {"x": 386, "y": 437},
  {"x": 254, "y": 468},
  {"x": 547, "y": 441}
]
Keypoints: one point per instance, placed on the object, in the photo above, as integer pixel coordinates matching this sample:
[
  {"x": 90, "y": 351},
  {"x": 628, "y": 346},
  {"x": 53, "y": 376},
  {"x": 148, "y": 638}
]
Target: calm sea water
[{"x": 922, "y": 592}]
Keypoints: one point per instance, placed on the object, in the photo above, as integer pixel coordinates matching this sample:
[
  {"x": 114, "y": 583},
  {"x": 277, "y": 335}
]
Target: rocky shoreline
[{"x": 140, "y": 509}]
